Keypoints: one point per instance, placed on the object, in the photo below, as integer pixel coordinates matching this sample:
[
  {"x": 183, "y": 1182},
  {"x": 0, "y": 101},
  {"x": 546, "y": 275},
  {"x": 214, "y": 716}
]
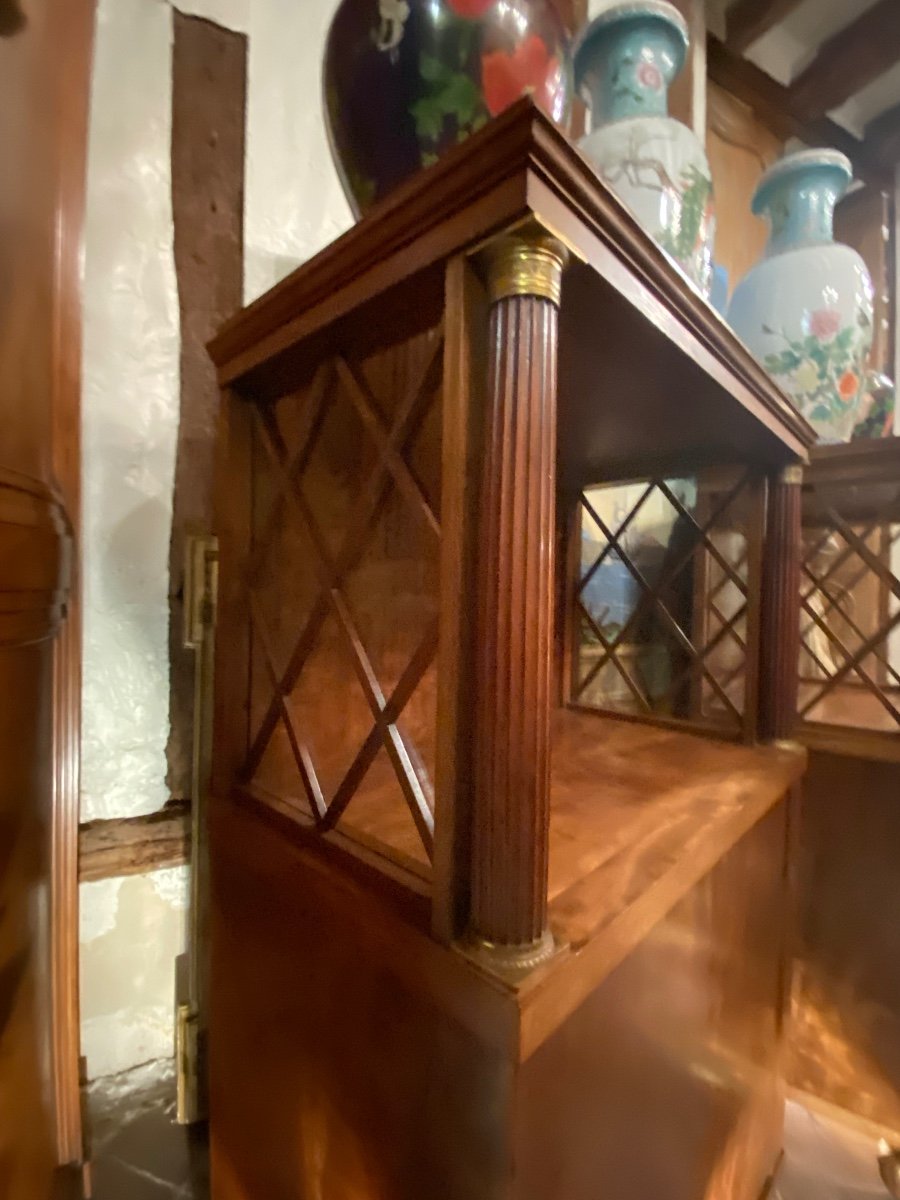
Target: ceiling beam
[
  {"x": 771, "y": 101},
  {"x": 848, "y": 61},
  {"x": 883, "y": 139},
  {"x": 747, "y": 20}
]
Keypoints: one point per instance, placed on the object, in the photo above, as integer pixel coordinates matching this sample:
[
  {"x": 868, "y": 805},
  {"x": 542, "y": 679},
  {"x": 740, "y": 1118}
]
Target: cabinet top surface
[
  {"x": 633, "y": 329},
  {"x": 634, "y": 804}
]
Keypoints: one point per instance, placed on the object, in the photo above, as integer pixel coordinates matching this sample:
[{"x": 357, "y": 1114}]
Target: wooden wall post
[
  {"x": 514, "y": 610},
  {"x": 780, "y": 608},
  {"x": 687, "y": 96}
]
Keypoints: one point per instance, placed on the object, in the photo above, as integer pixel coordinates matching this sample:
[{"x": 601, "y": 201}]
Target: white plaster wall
[
  {"x": 131, "y": 932},
  {"x": 293, "y": 201},
  {"x": 294, "y": 206},
  {"x": 130, "y": 411},
  {"x": 132, "y": 929}
]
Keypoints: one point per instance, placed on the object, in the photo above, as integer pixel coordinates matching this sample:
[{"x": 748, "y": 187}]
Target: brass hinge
[{"x": 201, "y": 580}]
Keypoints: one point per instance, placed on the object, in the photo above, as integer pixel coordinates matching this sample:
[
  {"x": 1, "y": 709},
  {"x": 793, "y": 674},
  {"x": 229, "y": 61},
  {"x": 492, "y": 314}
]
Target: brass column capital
[
  {"x": 792, "y": 474},
  {"x": 526, "y": 262}
]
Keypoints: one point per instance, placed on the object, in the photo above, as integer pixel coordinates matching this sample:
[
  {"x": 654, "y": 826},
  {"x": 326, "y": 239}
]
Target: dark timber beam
[
  {"x": 848, "y": 61},
  {"x": 209, "y": 85},
  {"x": 772, "y": 103},
  {"x": 134, "y": 845},
  {"x": 747, "y": 20}
]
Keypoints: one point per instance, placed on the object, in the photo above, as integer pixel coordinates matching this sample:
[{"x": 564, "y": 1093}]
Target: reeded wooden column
[
  {"x": 780, "y": 613},
  {"x": 514, "y": 619}
]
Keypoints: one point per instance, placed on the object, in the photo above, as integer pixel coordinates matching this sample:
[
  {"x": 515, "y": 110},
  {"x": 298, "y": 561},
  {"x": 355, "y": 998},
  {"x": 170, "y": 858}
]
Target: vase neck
[
  {"x": 627, "y": 69},
  {"x": 800, "y": 211}
]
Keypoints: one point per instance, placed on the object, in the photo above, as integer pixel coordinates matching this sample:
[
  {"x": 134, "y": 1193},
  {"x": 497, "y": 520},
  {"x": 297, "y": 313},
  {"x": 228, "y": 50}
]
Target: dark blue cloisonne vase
[{"x": 405, "y": 80}]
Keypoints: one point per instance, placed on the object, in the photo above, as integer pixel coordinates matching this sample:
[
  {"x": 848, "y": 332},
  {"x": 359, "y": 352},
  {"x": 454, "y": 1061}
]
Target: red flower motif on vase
[
  {"x": 824, "y": 323},
  {"x": 471, "y": 9},
  {"x": 530, "y": 69},
  {"x": 649, "y": 76},
  {"x": 848, "y": 386}
]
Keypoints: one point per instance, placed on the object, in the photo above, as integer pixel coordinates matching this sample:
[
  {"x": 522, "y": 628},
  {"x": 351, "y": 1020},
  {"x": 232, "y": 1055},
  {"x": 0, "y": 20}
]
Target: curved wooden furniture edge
[
  {"x": 518, "y": 1018},
  {"x": 673, "y": 866},
  {"x": 877, "y": 745},
  {"x": 35, "y": 559},
  {"x": 387, "y": 914},
  {"x": 513, "y": 151}
]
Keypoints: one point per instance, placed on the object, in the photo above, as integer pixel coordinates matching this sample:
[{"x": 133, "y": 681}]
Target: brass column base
[{"x": 510, "y": 962}]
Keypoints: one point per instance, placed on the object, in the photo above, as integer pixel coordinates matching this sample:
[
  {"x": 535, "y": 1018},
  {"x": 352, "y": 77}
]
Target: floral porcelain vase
[
  {"x": 625, "y": 61},
  {"x": 806, "y": 310},
  {"x": 404, "y": 80}
]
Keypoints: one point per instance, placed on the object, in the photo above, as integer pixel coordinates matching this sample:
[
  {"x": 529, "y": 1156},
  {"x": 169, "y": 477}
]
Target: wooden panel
[
  {"x": 664, "y": 1082},
  {"x": 44, "y": 68},
  {"x": 465, "y": 352},
  {"x": 862, "y": 220},
  {"x": 343, "y": 602},
  {"x": 740, "y": 148},
  {"x": 845, "y": 1041},
  {"x": 27, "y": 1152},
  {"x": 73, "y": 47},
  {"x": 208, "y": 117},
  {"x": 340, "y": 1066}
]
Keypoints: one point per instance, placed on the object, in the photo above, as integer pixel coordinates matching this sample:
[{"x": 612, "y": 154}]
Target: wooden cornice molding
[
  {"x": 850, "y": 60},
  {"x": 35, "y": 560},
  {"x": 134, "y": 845},
  {"x": 747, "y": 20},
  {"x": 519, "y": 167}
]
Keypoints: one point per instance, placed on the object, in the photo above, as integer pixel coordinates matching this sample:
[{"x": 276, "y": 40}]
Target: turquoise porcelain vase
[
  {"x": 807, "y": 309},
  {"x": 625, "y": 61}
]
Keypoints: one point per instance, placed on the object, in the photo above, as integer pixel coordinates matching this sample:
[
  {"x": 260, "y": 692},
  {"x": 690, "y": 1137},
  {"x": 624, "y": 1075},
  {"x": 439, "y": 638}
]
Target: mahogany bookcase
[
  {"x": 845, "y": 1045},
  {"x": 472, "y": 936}
]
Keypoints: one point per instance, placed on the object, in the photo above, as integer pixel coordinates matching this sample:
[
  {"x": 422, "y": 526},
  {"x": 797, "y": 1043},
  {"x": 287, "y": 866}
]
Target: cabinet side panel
[
  {"x": 845, "y": 1031},
  {"x": 333, "y": 1073},
  {"x": 666, "y": 1081}
]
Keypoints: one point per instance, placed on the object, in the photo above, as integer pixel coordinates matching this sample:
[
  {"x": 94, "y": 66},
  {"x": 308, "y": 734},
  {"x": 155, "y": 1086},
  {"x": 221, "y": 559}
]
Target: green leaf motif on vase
[
  {"x": 451, "y": 96},
  {"x": 823, "y": 375},
  {"x": 696, "y": 191}
]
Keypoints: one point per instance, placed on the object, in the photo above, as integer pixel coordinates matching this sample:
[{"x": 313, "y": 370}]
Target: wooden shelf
[
  {"x": 862, "y": 479},
  {"x": 636, "y": 807}
]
